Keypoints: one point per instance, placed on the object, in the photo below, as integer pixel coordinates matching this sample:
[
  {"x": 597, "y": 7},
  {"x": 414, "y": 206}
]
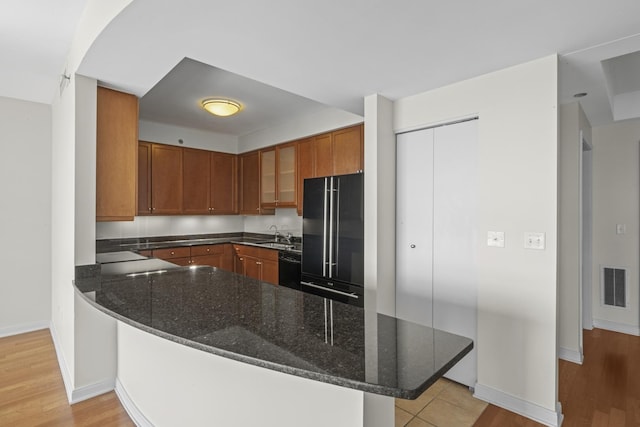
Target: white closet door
[
  {"x": 454, "y": 239},
  {"x": 414, "y": 226}
]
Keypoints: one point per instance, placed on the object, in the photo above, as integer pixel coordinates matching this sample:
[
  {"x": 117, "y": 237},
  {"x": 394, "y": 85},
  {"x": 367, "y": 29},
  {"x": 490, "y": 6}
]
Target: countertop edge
[{"x": 330, "y": 379}]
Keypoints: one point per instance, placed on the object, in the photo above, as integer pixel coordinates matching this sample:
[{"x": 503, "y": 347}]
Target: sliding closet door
[
  {"x": 454, "y": 238},
  {"x": 414, "y": 226}
]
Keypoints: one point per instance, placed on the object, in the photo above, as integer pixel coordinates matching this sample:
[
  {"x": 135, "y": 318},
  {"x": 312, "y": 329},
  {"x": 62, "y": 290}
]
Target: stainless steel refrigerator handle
[
  {"x": 324, "y": 230},
  {"x": 331, "y": 316},
  {"x": 331, "y": 230},
  {"x": 335, "y": 255},
  {"x": 325, "y": 321},
  {"x": 346, "y": 294}
]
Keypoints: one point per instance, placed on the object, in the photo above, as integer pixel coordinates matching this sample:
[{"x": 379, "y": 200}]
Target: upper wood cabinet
[
  {"x": 348, "y": 150},
  {"x": 160, "y": 181},
  {"x": 196, "y": 180},
  {"x": 144, "y": 178},
  {"x": 116, "y": 145},
  {"x": 278, "y": 176},
  {"x": 224, "y": 184},
  {"x": 334, "y": 153},
  {"x": 249, "y": 172}
]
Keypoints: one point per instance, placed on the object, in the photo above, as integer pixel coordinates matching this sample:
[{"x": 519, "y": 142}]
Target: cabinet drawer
[
  {"x": 253, "y": 251},
  {"x": 170, "y": 253},
  {"x": 207, "y": 250}
]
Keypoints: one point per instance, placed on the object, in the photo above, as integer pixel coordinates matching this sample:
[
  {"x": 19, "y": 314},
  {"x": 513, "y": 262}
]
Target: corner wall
[
  {"x": 616, "y": 199},
  {"x": 517, "y": 184},
  {"x": 573, "y": 123},
  {"x": 25, "y": 175}
]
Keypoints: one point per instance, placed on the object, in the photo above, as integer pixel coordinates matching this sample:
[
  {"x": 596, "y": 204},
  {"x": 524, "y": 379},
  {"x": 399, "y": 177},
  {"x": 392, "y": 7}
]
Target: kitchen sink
[{"x": 276, "y": 245}]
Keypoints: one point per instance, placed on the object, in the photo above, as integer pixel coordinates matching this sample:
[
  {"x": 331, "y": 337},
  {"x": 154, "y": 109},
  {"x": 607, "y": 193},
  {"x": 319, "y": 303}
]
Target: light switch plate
[
  {"x": 533, "y": 240},
  {"x": 621, "y": 228},
  {"x": 495, "y": 239}
]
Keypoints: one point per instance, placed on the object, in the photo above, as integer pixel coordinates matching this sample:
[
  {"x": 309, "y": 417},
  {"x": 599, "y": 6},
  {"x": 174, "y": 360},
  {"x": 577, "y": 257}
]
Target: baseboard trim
[
  {"x": 519, "y": 406},
  {"x": 570, "y": 355},
  {"x": 66, "y": 376},
  {"x": 92, "y": 390},
  {"x": 134, "y": 413},
  {"x": 616, "y": 327},
  {"x": 24, "y": 328}
]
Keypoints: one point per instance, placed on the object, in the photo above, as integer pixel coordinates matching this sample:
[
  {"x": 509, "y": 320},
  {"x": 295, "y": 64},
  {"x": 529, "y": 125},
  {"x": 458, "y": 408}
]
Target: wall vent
[{"x": 614, "y": 283}]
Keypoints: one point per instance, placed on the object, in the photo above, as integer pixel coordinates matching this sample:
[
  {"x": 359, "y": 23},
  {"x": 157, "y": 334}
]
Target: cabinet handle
[
  {"x": 208, "y": 250},
  {"x": 173, "y": 253},
  {"x": 258, "y": 263}
]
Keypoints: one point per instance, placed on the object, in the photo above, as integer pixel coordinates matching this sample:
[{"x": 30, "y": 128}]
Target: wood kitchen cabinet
[
  {"x": 159, "y": 179},
  {"x": 209, "y": 182},
  {"x": 278, "y": 176},
  {"x": 196, "y": 181},
  {"x": 220, "y": 256},
  {"x": 334, "y": 153},
  {"x": 224, "y": 184},
  {"x": 257, "y": 263},
  {"x": 116, "y": 144},
  {"x": 249, "y": 172}
]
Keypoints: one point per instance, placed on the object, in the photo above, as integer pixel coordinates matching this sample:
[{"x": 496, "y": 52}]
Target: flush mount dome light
[{"x": 221, "y": 107}]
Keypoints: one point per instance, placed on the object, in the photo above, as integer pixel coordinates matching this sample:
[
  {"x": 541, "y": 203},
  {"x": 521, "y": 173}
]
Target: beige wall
[
  {"x": 615, "y": 201},
  {"x": 517, "y": 182},
  {"x": 25, "y": 177}
]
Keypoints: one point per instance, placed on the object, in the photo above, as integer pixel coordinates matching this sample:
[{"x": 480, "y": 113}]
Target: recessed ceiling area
[
  {"x": 622, "y": 76},
  {"x": 177, "y": 99}
]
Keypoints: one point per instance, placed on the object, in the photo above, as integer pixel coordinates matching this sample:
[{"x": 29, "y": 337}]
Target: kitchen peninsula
[{"x": 223, "y": 314}]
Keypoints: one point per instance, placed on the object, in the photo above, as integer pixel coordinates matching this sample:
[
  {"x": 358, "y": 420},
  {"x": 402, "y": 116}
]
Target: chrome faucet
[
  {"x": 275, "y": 235},
  {"x": 288, "y": 238}
]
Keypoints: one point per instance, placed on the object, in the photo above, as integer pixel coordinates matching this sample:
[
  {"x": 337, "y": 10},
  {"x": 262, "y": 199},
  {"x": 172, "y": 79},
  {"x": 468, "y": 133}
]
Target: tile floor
[{"x": 444, "y": 404}]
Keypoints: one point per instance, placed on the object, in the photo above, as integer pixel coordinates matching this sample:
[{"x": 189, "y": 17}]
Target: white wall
[
  {"x": 149, "y": 226},
  {"x": 192, "y": 138},
  {"x": 572, "y": 122},
  {"x": 286, "y": 219},
  {"x": 96, "y": 16},
  {"x": 615, "y": 201},
  {"x": 327, "y": 119},
  {"x": 380, "y": 205},
  {"x": 175, "y": 385},
  {"x": 517, "y": 193},
  {"x": 25, "y": 176}
]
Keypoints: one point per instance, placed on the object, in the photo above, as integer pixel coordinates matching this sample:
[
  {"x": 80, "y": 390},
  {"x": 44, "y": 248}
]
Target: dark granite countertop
[
  {"x": 149, "y": 243},
  {"x": 277, "y": 328}
]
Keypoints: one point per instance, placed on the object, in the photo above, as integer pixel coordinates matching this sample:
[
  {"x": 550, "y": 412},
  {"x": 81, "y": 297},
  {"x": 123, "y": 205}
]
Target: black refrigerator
[{"x": 333, "y": 238}]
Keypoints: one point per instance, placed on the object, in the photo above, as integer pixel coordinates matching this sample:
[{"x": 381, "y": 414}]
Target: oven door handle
[{"x": 346, "y": 294}]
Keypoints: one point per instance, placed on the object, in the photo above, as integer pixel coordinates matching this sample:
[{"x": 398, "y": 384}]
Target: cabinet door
[
  {"x": 306, "y": 167},
  {"x": 348, "y": 150},
  {"x": 252, "y": 267},
  {"x": 144, "y": 178},
  {"x": 195, "y": 181},
  {"x": 116, "y": 141},
  {"x": 286, "y": 175},
  {"x": 268, "y": 178},
  {"x": 323, "y": 155},
  {"x": 166, "y": 179},
  {"x": 227, "y": 260},
  {"x": 269, "y": 271},
  {"x": 250, "y": 183},
  {"x": 224, "y": 195}
]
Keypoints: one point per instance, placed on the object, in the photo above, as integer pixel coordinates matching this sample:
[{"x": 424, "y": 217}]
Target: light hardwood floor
[
  {"x": 32, "y": 392},
  {"x": 602, "y": 392}
]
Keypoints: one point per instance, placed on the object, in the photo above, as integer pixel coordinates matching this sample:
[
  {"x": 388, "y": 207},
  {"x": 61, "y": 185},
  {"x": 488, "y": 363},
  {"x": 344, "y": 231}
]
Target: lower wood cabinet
[
  {"x": 257, "y": 263},
  {"x": 220, "y": 256}
]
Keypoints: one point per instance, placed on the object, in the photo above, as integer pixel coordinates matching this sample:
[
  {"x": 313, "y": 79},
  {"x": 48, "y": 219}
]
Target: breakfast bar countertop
[{"x": 277, "y": 328}]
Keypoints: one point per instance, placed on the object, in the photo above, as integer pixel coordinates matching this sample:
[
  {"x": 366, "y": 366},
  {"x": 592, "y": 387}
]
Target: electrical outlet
[
  {"x": 495, "y": 239},
  {"x": 534, "y": 240}
]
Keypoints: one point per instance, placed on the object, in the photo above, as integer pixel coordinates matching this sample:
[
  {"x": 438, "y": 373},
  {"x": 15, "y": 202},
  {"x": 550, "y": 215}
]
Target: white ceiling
[
  {"x": 35, "y": 36},
  {"x": 336, "y": 52}
]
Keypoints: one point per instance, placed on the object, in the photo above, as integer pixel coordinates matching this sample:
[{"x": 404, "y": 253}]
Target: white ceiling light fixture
[{"x": 221, "y": 107}]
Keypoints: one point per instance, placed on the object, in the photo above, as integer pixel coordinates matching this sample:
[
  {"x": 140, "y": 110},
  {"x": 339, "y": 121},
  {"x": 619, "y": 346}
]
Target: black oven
[{"x": 289, "y": 269}]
